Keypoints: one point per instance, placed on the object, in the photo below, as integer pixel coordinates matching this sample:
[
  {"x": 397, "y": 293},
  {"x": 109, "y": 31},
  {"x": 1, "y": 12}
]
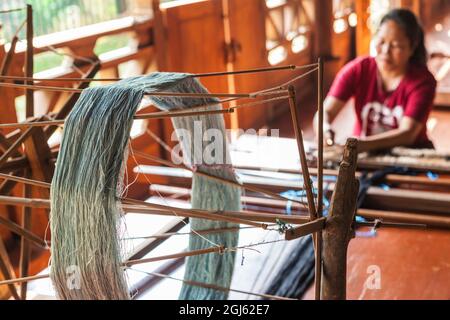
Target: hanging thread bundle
[{"x": 86, "y": 256}]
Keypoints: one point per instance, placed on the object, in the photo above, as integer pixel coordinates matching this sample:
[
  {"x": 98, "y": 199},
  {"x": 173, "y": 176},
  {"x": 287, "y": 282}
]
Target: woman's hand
[
  {"x": 331, "y": 107},
  {"x": 328, "y": 138}
]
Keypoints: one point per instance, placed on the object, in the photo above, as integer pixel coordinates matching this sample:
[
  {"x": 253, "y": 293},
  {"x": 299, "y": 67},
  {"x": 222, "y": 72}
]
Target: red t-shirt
[{"x": 377, "y": 110}]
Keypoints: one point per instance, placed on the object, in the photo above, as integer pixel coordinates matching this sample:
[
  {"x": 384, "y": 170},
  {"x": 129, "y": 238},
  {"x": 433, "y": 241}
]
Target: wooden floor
[{"x": 411, "y": 264}]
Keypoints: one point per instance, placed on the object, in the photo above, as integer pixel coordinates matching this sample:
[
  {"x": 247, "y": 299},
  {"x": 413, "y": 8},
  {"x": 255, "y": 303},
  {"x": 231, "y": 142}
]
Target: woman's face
[{"x": 393, "y": 48}]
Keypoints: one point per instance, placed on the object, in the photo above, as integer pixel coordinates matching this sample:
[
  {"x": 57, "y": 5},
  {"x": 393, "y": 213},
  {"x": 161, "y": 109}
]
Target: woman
[{"x": 393, "y": 91}]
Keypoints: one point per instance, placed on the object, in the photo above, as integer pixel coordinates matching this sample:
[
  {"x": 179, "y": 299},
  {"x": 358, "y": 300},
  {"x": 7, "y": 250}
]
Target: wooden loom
[{"x": 37, "y": 163}]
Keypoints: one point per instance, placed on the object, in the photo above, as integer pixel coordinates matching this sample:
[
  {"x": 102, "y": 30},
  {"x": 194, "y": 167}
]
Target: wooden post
[
  {"x": 338, "y": 231},
  {"x": 323, "y": 29},
  {"x": 29, "y": 111}
]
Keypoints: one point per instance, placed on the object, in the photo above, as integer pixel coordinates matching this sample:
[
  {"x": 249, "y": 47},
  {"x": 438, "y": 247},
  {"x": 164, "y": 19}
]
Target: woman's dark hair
[{"x": 413, "y": 30}]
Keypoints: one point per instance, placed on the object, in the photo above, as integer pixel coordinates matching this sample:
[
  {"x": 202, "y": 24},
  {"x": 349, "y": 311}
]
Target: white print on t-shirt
[{"x": 378, "y": 118}]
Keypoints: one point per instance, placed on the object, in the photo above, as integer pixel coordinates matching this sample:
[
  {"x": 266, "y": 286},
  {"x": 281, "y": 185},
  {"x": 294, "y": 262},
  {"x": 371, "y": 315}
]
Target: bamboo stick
[
  {"x": 215, "y": 287},
  {"x": 301, "y": 149},
  {"x": 29, "y": 94},
  {"x": 253, "y": 216},
  {"x": 203, "y": 231},
  {"x": 155, "y": 94},
  {"x": 406, "y": 219},
  {"x": 426, "y": 219},
  {"x": 12, "y": 10},
  {"x": 318, "y": 251},
  {"x": 153, "y": 115},
  {"x": 201, "y": 213},
  {"x": 208, "y": 74},
  {"x": 218, "y": 249},
  {"x": 286, "y": 84},
  {"x": 149, "y": 208}
]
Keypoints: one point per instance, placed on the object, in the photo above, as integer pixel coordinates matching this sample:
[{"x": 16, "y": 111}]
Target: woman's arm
[
  {"x": 404, "y": 135},
  {"x": 332, "y": 106}
]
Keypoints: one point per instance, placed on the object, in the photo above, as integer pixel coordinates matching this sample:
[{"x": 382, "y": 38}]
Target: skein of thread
[
  {"x": 86, "y": 252},
  {"x": 207, "y": 194}
]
